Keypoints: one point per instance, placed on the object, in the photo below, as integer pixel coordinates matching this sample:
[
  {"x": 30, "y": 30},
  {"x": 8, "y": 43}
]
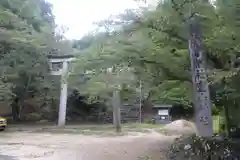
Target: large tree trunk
[
  {"x": 15, "y": 110},
  {"x": 227, "y": 120}
]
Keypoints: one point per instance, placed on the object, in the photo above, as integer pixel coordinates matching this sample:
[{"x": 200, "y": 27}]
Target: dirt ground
[{"x": 26, "y": 145}]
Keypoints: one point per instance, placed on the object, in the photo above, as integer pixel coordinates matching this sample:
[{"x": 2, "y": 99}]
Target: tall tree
[
  {"x": 154, "y": 44},
  {"x": 27, "y": 36}
]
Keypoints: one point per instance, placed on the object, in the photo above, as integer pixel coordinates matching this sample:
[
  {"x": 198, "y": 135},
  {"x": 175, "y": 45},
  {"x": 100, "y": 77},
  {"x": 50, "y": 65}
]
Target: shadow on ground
[{"x": 4, "y": 157}]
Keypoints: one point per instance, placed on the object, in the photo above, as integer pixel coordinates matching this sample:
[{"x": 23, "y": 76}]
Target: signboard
[{"x": 163, "y": 112}]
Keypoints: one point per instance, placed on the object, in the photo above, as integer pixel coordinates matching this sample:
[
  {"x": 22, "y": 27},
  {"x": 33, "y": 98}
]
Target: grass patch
[
  {"x": 99, "y": 130},
  {"x": 216, "y": 124},
  {"x": 142, "y": 125}
]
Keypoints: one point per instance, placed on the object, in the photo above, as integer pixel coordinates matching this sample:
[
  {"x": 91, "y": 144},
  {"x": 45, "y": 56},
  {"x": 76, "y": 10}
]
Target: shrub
[{"x": 196, "y": 148}]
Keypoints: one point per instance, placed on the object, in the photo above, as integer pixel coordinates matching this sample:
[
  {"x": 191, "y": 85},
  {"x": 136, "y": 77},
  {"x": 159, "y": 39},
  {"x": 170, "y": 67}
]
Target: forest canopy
[{"x": 147, "y": 46}]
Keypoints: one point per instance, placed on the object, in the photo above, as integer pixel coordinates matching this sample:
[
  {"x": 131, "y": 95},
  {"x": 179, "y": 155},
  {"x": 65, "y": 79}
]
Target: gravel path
[{"x": 46, "y": 146}]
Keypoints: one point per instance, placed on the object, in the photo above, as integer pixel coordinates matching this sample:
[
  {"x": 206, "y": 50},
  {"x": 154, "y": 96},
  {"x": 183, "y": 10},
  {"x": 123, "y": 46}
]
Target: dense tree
[
  {"x": 144, "y": 45},
  {"x": 154, "y": 44},
  {"x": 27, "y": 36}
]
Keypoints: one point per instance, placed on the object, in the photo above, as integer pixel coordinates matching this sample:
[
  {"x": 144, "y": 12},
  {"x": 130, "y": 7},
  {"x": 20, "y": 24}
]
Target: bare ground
[{"x": 51, "y": 146}]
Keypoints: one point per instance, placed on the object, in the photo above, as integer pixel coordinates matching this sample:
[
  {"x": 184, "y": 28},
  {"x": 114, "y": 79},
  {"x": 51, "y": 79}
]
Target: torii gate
[{"x": 58, "y": 65}]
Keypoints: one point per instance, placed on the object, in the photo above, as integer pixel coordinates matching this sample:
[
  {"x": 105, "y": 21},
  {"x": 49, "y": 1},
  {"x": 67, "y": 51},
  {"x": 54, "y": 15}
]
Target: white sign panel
[{"x": 163, "y": 112}]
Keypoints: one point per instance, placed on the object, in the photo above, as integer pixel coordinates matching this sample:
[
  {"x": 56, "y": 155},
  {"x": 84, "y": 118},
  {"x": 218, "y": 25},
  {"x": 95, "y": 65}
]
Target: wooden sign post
[
  {"x": 116, "y": 102},
  {"x": 202, "y": 100}
]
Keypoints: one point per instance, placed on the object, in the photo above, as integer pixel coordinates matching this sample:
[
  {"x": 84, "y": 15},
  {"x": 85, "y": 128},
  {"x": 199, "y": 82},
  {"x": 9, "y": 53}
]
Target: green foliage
[
  {"x": 193, "y": 147},
  {"x": 26, "y": 37},
  {"x": 144, "y": 45},
  {"x": 154, "y": 44}
]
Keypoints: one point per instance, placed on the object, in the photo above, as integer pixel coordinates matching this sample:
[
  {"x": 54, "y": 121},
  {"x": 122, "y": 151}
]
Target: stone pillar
[
  {"x": 202, "y": 100},
  {"x": 63, "y": 96}
]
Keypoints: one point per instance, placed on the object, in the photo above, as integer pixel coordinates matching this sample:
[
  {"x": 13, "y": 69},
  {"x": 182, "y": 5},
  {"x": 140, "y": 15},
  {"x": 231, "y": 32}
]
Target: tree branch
[
  {"x": 179, "y": 7},
  {"x": 166, "y": 70}
]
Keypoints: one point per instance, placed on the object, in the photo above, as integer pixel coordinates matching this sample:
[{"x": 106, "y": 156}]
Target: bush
[
  {"x": 196, "y": 148},
  {"x": 33, "y": 117}
]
